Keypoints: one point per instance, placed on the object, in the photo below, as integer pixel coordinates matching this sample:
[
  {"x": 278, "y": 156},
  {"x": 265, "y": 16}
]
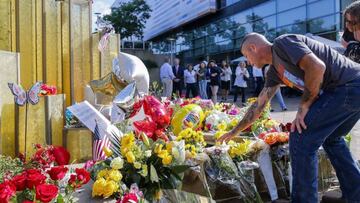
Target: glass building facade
[{"x": 220, "y": 34}]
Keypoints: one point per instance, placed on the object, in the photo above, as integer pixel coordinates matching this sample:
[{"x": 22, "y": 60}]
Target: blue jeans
[
  {"x": 202, "y": 87},
  {"x": 280, "y": 99},
  {"x": 329, "y": 119}
]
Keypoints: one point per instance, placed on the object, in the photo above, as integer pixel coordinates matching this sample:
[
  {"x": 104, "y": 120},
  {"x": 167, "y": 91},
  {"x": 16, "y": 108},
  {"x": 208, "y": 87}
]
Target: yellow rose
[
  {"x": 137, "y": 165},
  {"x": 130, "y": 157},
  {"x": 167, "y": 160},
  {"x": 117, "y": 163},
  {"x": 102, "y": 174},
  {"x": 110, "y": 188},
  {"x": 115, "y": 175},
  {"x": 98, "y": 187}
]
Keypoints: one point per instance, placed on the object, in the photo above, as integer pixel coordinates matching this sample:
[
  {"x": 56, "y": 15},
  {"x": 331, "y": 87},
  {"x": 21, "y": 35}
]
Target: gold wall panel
[
  {"x": 80, "y": 48},
  {"x": 9, "y": 73},
  {"x": 78, "y": 141},
  {"x": 66, "y": 57},
  {"x": 28, "y": 42},
  {"x": 52, "y": 44},
  {"x": 95, "y": 57},
  {"x": 35, "y": 127},
  {"x": 55, "y": 119},
  {"x": 7, "y": 25},
  {"x": 109, "y": 54}
]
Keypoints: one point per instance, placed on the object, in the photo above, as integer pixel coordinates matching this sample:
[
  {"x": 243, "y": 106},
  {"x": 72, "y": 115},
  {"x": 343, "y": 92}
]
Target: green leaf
[
  {"x": 60, "y": 199},
  {"x": 153, "y": 174}
]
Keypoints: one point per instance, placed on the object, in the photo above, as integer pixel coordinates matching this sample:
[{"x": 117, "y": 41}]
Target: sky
[{"x": 100, "y": 6}]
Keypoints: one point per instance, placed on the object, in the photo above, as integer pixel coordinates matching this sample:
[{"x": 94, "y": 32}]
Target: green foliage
[
  {"x": 129, "y": 18},
  {"x": 9, "y": 166},
  {"x": 150, "y": 64}
]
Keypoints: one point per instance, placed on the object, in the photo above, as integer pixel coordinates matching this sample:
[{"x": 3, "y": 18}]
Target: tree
[{"x": 129, "y": 18}]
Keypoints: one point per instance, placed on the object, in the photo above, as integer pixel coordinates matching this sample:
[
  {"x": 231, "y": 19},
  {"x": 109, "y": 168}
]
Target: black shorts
[{"x": 225, "y": 85}]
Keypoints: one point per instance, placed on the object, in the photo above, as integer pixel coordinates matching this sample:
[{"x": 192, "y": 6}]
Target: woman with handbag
[{"x": 242, "y": 75}]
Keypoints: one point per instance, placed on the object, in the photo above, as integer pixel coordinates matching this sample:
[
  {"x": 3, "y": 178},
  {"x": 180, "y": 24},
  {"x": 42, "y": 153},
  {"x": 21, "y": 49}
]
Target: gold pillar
[
  {"x": 80, "y": 64},
  {"x": 7, "y": 25},
  {"x": 9, "y": 73},
  {"x": 102, "y": 62}
]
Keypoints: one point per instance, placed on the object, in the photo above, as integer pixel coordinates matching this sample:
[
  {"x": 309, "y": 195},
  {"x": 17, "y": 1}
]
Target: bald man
[{"x": 329, "y": 107}]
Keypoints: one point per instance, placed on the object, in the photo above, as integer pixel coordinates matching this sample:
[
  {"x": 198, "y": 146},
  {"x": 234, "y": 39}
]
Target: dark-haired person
[
  {"x": 351, "y": 36},
  {"x": 328, "y": 110},
  {"x": 215, "y": 73},
  {"x": 225, "y": 80},
  {"x": 178, "y": 82},
  {"x": 242, "y": 75},
  {"x": 190, "y": 81}
]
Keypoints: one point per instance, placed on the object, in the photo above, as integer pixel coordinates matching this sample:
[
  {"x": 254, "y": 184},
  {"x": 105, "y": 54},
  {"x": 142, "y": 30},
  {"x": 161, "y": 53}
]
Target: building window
[
  {"x": 243, "y": 17},
  {"x": 265, "y": 24},
  {"x": 321, "y": 8},
  {"x": 324, "y": 24},
  {"x": 264, "y": 10},
  {"x": 299, "y": 28},
  {"x": 289, "y": 17},
  {"x": 283, "y": 5}
]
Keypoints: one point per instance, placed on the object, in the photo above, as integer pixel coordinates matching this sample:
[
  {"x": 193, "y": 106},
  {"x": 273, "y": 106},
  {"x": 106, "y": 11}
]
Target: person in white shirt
[
  {"x": 242, "y": 75},
  {"x": 259, "y": 80},
  {"x": 278, "y": 94},
  {"x": 167, "y": 76},
  {"x": 190, "y": 81},
  {"x": 225, "y": 80}
]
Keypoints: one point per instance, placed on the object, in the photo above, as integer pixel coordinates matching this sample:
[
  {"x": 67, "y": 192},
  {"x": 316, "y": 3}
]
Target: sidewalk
[{"x": 289, "y": 115}]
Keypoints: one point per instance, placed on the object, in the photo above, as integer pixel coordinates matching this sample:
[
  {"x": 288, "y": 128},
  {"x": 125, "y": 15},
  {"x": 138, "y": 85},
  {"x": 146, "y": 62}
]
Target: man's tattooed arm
[
  {"x": 314, "y": 70},
  {"x": 256, "y": 108}
]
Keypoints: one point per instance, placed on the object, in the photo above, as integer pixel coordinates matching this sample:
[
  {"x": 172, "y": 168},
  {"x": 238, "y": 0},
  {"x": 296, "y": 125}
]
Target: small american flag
[
  {"x": 104, "y": 41},
  {"x": 99, "y": 143}
]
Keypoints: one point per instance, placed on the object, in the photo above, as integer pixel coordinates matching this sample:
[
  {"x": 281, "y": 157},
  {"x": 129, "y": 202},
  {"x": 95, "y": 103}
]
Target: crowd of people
[{"x": 209, "y": 79}]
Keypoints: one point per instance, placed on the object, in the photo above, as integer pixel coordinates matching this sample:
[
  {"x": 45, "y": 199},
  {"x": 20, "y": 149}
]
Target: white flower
[
  {"x": 148, "y": 153},
  {"x": 117, "y": 163}
]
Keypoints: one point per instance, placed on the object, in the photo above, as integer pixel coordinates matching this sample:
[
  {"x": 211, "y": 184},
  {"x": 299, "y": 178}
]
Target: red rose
[
  {"x": 62, "y": 156},
  {"x": 129, "y": 198},
  {"x": 73, "y": 181},
  {"x": 27, "y": 201},
  {"x": 7, "y": 190},
  {"x": 34, "y": 178},
  {"x": 82, "y": 175},
  {"x": 57, "y": 172},
  {"x": 46, "y": 192},
  {"x": 20, "y": 181}
]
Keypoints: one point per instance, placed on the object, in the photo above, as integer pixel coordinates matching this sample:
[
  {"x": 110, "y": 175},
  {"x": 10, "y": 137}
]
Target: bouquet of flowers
[{"x": 152, "y": 165}]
